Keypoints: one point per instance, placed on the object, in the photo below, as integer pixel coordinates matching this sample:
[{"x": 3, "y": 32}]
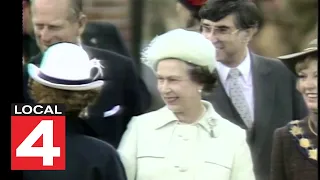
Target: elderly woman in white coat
[{"x": 186, "y": 139}]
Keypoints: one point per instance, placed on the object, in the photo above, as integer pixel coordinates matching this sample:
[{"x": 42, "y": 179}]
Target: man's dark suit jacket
[
  {"x": 122, "y": 88},
  {"x": 276, "y": 102},
  {"x": 30, "y": 47},
  {"x": 104, "y": 35}
]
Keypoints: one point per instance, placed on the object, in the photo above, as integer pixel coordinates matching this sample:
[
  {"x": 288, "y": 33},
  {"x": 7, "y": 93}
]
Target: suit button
[{"x": 93, "y": 40}]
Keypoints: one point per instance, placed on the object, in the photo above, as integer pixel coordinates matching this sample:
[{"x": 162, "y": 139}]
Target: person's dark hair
[
  {"x": 304, "y": 61},
  {"x": 195, "y": 14},
  {"x": 246, "y": 12},
  {"x": 202, "y": 75}
]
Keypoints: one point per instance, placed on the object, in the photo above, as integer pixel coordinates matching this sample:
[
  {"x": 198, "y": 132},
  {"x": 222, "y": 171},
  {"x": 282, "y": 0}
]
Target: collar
[
  {"x": 244, "y": 67},
  {"x": 209, "y": 121}
]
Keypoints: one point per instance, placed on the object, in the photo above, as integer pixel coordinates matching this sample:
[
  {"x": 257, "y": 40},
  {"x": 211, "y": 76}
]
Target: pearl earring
[{"x": 200, "y": 90}]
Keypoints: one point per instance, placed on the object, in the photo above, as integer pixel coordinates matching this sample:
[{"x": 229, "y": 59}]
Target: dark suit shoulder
[
  {"x": 257, "y": 56},
  {"x": 104, "y": 35},
  {"x": 99, "y": 144},
  {"x": 105, "y": 160},
  {"x": 103, "y": 54},
  {"x": 107, "y": 28},
  {"x": 82, "y": 144},
  {"x": 100, "y": 54},
  {"x": 276, "y": 67},
  {"x": 87, "y": 158},
  {"x": 36, "y": 59},
  {"x": 282, "y": 132},
  {"x": 275, "y": 64}
]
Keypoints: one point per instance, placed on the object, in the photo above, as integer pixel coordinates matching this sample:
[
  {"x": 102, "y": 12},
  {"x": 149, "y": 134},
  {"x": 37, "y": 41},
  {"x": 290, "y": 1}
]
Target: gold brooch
[
  {"x": 313, "y": 154},
  {"x": 296, "y": 130},
  {"x": 305, "y": 143}
]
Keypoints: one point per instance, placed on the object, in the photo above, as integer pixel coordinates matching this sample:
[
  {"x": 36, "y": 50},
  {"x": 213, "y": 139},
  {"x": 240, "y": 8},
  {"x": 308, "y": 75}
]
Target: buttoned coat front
[{"x": 156, "y": 146}]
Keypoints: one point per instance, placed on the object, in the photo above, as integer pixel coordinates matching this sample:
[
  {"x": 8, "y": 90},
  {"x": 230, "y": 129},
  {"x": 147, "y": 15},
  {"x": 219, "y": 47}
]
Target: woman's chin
[
  {"x": 313, "y": 106},
  {"x": 174, "y": 108}
]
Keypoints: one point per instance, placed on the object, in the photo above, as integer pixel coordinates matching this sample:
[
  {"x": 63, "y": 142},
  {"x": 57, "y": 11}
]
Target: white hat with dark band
[
  {"x": 67, "y": 66},
  {"x": 184, "y": 45}
]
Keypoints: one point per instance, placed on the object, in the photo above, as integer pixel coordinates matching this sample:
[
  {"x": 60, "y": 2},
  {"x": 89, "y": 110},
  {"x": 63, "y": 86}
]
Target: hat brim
[
  {"x": 33, "y": 71},
  {"x": 295, "y": 55}
]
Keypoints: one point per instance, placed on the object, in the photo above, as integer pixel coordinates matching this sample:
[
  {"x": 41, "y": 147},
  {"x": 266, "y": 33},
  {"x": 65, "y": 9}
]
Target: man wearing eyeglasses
[{"x": 257, "y": 93}]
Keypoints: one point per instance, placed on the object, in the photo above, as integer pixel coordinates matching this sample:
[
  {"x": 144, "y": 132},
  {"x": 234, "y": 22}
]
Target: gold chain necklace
[{"x": 310, "y": 127}]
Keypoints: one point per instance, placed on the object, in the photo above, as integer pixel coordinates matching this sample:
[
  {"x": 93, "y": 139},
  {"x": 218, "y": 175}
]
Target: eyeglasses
[{"x": 221, "y": 31}]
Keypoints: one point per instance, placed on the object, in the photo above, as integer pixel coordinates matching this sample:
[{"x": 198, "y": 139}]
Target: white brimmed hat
[
  {"x": 67, "y": 66},
  {"x": 184, "y": 45}
]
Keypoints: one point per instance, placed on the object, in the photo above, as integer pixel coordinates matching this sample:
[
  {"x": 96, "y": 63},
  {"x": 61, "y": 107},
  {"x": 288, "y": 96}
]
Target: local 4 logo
[{"x": 37, "y": 137}]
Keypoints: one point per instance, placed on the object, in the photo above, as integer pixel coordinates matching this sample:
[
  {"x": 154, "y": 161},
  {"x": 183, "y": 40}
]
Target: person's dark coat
[
  {"x": 123, "y": 89},
  {"x": 289, "y": 160},
  {"x": 30, "y": 47},
  {"x": 104, "y": 35},
  {"x": 276, "y": 102},
  {"x": 87, "y": 158}
]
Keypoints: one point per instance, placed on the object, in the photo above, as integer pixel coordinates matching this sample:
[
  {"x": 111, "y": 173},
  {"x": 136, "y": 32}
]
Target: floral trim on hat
[
  {"x": 145, "y": 51},
  {"x": 304, "y": 144}
]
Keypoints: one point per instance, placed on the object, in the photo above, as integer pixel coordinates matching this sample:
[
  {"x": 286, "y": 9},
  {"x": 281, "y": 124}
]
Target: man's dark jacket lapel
[{"x": 263, "y": 93}]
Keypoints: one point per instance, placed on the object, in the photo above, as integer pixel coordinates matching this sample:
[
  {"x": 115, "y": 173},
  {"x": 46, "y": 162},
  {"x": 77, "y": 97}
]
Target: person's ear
[
  {"x": 246, "y": 35},
  {"x": 82, "y": 24},
  {"x": 200, "y": 88}
]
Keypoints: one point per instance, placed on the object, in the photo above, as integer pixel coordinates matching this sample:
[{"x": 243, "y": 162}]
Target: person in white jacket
[{"x": 186, "y": 139}]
